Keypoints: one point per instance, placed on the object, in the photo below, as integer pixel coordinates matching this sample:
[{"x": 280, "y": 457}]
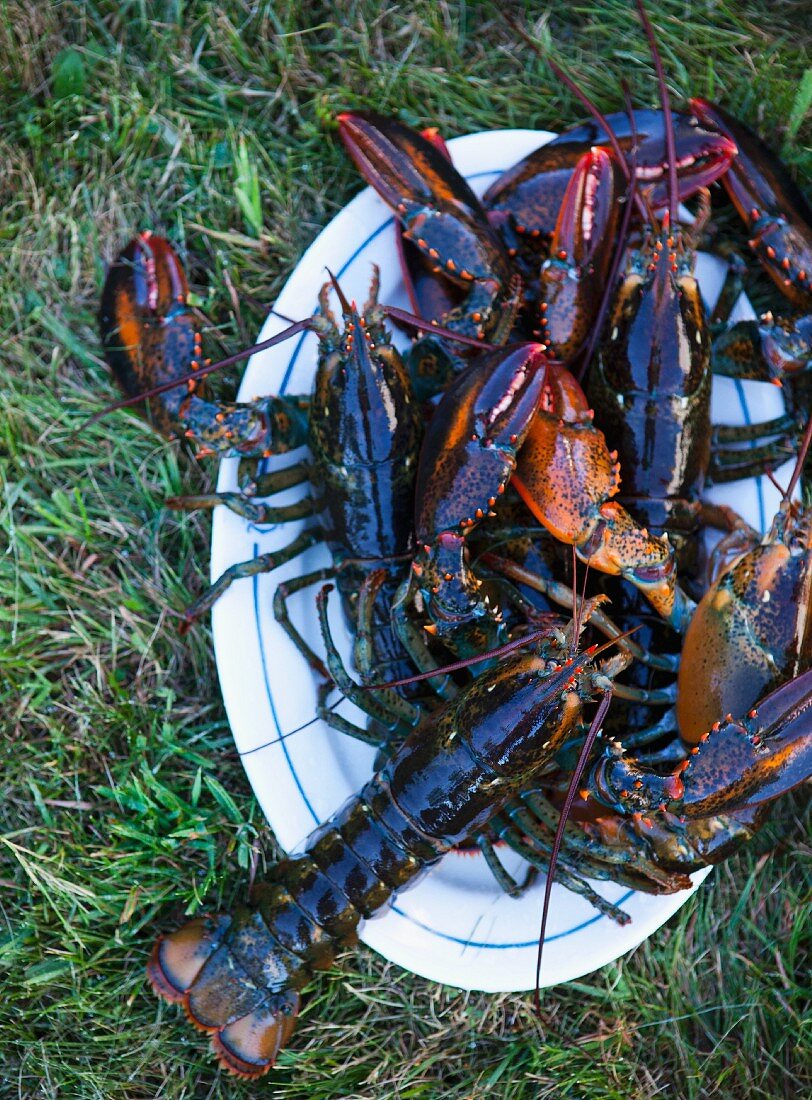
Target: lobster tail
[
  {"x": 248, "y": 1047},
  {"x": 177, "y": 959},
  {"x": 196, "y": 968}
]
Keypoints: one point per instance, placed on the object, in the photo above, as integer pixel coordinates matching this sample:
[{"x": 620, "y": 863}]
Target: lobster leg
[
  {"x": 538, "y": 856},
  {"x": 746, "y": 433},
  {"x": 242, "y": 505},
  {"x": 732, "y": 464},
  {"x": 388, "y": 708},
  {"x": 511, "y": 886},
  {"x": 282, "y": 616},
  {"x": 564, "y": 596},
  {"x": 246, "y": 505},
  {"x": 415, "y": 645},
  {"x": 537, "y": 819},
  {"x": 264, "y": 563},
  {"x": 343, "y": 725}
]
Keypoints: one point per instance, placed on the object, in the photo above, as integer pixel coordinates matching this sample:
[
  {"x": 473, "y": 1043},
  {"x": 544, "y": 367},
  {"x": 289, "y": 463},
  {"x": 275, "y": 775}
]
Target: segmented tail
[{"x": 195, "y": 968}]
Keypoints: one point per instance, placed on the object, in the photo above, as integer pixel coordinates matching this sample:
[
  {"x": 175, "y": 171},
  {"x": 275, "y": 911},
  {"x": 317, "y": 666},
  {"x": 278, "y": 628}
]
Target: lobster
[
  {"x": 363, "y": 457},
  {"x": 779, "y": 224},
  {"x": 239, "y": 976}
]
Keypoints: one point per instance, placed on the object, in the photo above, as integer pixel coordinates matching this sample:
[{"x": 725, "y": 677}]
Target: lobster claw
[
  {"x": 405, "y": 166},
  {"x": 150, "y": 341},
  {"x": 530, "y": 193},
  {"x": 777, "y": 215},
  {"x": 470, "y": 447},
  {"x": 431, "y": 295},
  {"x": 439, "y": 213},
  {"x": 751, "y": 628},
  {"x": 567, "y": 477},
  {"x": 467, "y": 457},
  {"x": 572, "y": 280},
  {"x": 147, "y": 329},
  {"x": 740, "y": 765}
]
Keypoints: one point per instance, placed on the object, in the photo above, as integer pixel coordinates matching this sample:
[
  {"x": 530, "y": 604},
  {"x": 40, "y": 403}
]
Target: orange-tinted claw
[
  {"x": 751, "y": 630},
  {"x": 148, "y": 332},
  {"x": 566, "y": 476},
  {"x": 744, "y": 764}
]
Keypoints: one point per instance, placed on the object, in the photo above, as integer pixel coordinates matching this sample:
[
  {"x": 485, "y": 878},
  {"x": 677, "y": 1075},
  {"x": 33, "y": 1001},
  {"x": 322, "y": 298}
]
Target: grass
[{"x": 124, "y": 804}]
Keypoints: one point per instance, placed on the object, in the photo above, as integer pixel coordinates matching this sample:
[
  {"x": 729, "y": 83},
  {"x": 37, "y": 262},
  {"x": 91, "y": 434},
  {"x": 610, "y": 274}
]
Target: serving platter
[{"x": 455, "y": 926}]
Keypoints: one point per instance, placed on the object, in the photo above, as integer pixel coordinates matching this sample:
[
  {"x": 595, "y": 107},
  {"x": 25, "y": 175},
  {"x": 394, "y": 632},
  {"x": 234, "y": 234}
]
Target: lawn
[{"x": 124, "y": 803}]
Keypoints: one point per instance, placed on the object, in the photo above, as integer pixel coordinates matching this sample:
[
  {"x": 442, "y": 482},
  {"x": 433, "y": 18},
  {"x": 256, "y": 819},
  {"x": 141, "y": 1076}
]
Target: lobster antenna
[
  {"x": 799, "y": 462},
  {"x": 567, "y": 80},
  {"x": 201, "y": 372},
  {"x": 466, "y": 662},
  {"x": 297, "y": 326},
  {"x": 586, "y": 749},
  {"x": 623, "y": 236},
  {"x": 412, "y": 319},
  {"x": 345, "y": 305},
  {"x": 284, "y": 736},
  {"x": 580, "y": 610},
  {"x": 500, "y": 651},
  {"x": 670, "y": 144}
]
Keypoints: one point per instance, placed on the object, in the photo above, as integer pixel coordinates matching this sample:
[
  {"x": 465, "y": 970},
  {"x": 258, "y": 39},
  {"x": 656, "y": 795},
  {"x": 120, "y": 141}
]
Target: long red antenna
[
  {"x": 670, "y": 144},
  {"x": 799, "y": 462},
  {"x": 585, "y": 100},
  {"x": 201, "y": 372},
  {"x": 589, "y": 741}
]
